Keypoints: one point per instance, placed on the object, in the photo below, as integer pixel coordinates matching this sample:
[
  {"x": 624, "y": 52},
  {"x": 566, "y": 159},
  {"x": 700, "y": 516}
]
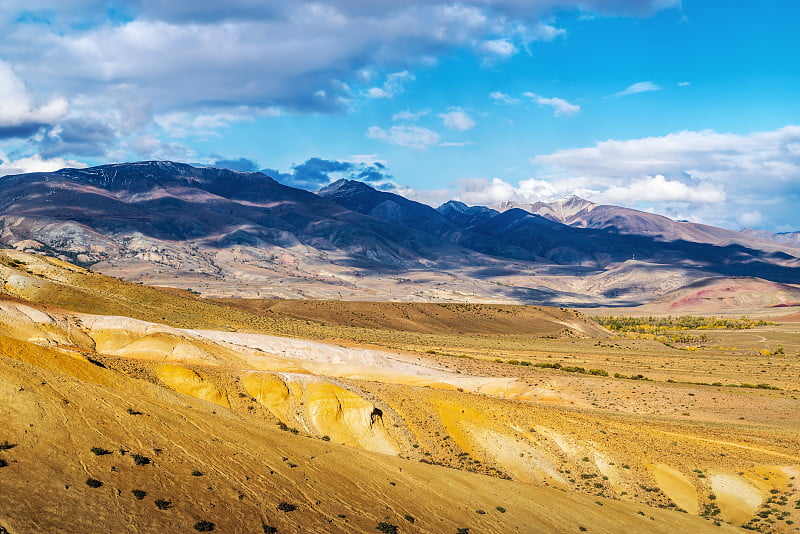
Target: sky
[{"x": 684, "y": 108}]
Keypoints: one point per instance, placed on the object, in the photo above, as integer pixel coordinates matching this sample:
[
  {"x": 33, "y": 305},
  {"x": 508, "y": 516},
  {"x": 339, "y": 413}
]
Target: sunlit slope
[
  {"x": 203, "y": 462},
  {"x": 59, "y": 284},
  {"x": 374, "y": 401}
]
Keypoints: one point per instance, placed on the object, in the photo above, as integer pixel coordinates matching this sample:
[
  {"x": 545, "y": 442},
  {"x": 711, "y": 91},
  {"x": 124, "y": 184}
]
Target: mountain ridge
[{"x": 230, "y": 233}]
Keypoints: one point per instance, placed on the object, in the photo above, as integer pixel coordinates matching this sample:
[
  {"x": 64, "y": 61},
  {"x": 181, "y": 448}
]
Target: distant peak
[
  {"x": 456, "y": 205},
  {"x": 343, "y": 185}
]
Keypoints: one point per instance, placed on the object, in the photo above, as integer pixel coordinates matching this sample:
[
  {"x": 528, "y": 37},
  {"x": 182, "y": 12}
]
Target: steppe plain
[{"x": 332, "y": 416}]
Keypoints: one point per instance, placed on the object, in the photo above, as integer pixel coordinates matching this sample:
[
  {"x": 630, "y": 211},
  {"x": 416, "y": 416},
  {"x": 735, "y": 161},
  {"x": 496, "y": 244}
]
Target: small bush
[
  {"x": 204, "y": 526},
  {"x": 462, "y": 530},
  {"x": 139, "y": 494},
  {"x": 409, "y": 518},
  {"x": 3, "y": 463},
  {"x": 269, "y": 529},
  {"x": 481, "y": 512},
  {"x": 386, "y": 528},
  {"x": 138, "y": 459},
  {"x": 131, "y": 411},
  {"x": 326, "y": 438},
  {"x": 197, "y": 473},
  {"x": 93, "y": 483},
  {"x": 6, "y": 445},
  {"x": 162, "y": 504},
  {"x": 100, "y": 451},
  {"x": 286, "y": 507},
  {"x": 500, "y": 509}
]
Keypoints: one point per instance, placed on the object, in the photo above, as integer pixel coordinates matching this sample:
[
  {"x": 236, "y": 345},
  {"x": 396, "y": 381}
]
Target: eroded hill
[{"x": 223, "y": 421}]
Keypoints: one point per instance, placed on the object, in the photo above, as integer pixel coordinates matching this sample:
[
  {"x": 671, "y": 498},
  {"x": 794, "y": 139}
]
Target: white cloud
[
  {"x": 480, "y": 191},
  {"x": 659, "y": 189},
  {"x": 17, "y": 107},
  {"x": 499, "y": 96},
  {"x": 560, "y": 106},
  {"x": 393, "y": 86},
  {"x": 684, "y": 84},
  {"x": 723, "y": 175},
  {"x": 457, "y": 119},
  {"x": 502, "y": 48},
  {"x": 185, "y": 124},
  {"x": 751, "y": 219},
  {"x": 407, "y": 136},
  {"x": 544, "y": 32},
  {"x": 638, "y": 87},
  {"x": 36, "y": 163},
  {"x": 410, "y": 116}
]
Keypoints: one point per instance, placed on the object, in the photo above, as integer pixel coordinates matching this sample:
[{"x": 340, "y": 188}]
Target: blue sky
[{"x": 688, "y": 109}]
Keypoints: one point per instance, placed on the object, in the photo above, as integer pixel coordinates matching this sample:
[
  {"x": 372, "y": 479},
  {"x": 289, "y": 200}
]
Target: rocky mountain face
[
  {"x": 571, "y": 231},
  {"x": 221, "y": 232}
]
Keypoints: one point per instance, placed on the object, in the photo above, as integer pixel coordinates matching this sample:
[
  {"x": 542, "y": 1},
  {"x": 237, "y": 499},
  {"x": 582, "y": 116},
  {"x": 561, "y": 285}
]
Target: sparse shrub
[
  {"x": 269, "y": 529},
  {"x": 286, "y": 507},
  {"x": 100, "y": 451},
  {"x": 138, "y": 459},
  {"x": 409, "y": 518},
  {"x": 93, "y": 482},
  {"x": 582, "y": 529},
  {"x": 500, "y": 509},
  {"x": 462, "y": 530},
  {"x": 326, "y": 438},
  {"x": 197, "y": 473},
  {"x": 131, "y": 411},
  {"x": 479, "y": 511},
  {"x": 6, "y": 445},
  {"x": 163, "y": 504},
  {"x": 3, "y": 463},
  {"x": 386, "y": 528},
  {"x": 139, "y": 494},
  {"x": 204, "y": 526}
]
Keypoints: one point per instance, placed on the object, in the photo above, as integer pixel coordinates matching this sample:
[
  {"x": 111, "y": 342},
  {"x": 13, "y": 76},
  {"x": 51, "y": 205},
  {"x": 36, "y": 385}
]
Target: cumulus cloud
[
  {"x": 457, "y": 119},
  {"x": 35, "y": 163},
  {"x": 659, "y": 189},
  {"x": 638, "y": 87},
  {"x": 480, "y": 191},
  {"x": 19, "y": 115},
  {"x": 502, "y": 48},
  {"x": 560, "y": 106},
  {"x": 727, "y": 174},
  {"x": 171, "y": 50},
  {"x": 408, "y": 136}
]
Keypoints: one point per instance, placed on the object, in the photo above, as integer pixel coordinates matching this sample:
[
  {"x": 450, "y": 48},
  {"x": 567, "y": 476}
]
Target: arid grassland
[{"x": 129, "y": 408}]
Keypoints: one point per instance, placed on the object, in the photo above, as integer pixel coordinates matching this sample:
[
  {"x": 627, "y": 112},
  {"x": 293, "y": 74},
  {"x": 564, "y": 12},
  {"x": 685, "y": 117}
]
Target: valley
[{"x": 537, "y": 411}]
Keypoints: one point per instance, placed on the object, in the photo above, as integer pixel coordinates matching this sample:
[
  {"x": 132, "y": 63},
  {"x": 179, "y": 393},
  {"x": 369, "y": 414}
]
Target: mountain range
[{"x": 221, "y": 233}]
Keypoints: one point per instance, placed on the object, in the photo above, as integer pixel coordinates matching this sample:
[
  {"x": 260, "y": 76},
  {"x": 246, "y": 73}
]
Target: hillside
[
  {"x": 424, "y": 422},
  {"x": 727, "y": 295}
]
